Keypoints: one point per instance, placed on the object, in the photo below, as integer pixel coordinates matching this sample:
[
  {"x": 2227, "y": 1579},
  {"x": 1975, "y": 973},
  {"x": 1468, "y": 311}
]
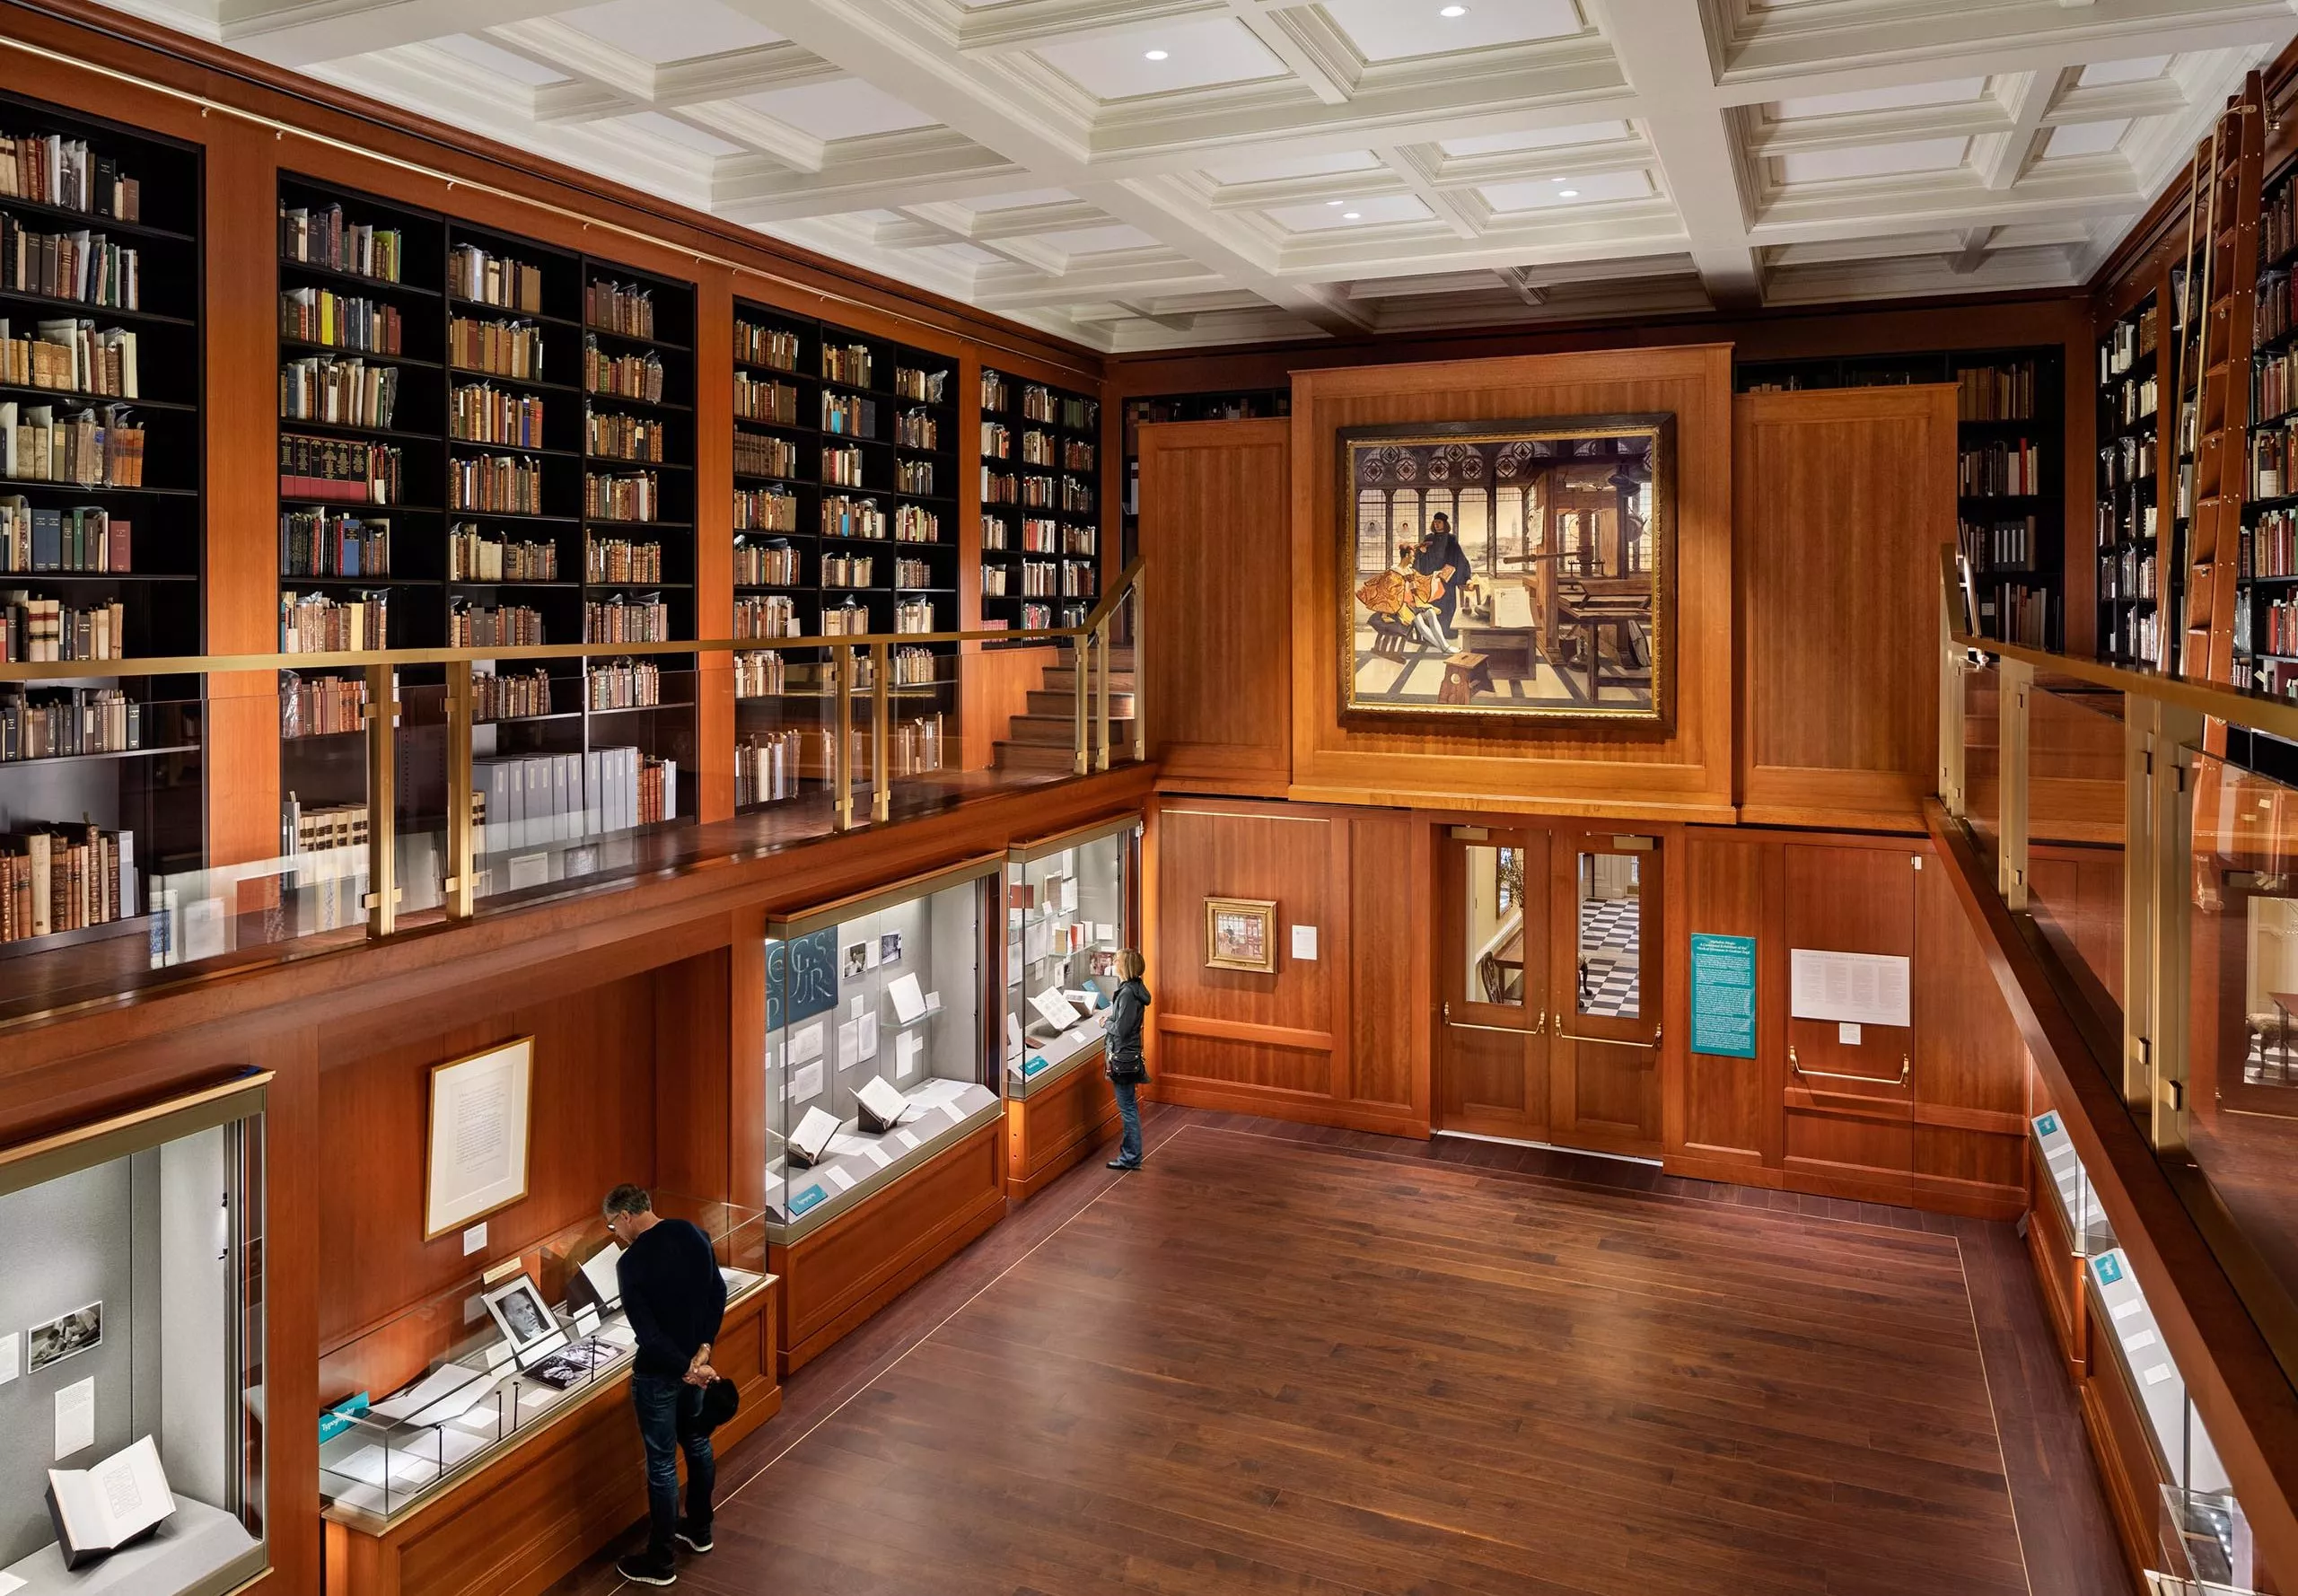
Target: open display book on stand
[
  {"x": 876, "y": 1010},
  {"x": 1065, "y": 903},
  {"x": 130, "y": 1304},
  {"x": 437, "y": 1390}
]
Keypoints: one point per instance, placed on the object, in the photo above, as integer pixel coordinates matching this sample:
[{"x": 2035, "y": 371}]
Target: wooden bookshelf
[
  {"x": 2011, "y": 433},
  {"x": 51, "y": 771},
  {"x": 846, "y": 514},
  {"x": 2266, "y": 599},
  {"x": 507, "y": 459},
  {"x": 1040, "y": 502},
  {"x": 2135, "y": 399}
]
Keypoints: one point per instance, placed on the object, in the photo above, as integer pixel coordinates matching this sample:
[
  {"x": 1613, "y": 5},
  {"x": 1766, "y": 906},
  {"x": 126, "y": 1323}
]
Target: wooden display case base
[
  {"x": 1056, "y": 1128},
  {"x": 528, "y": 1517},
  {"x": 834, "y": 1278}
]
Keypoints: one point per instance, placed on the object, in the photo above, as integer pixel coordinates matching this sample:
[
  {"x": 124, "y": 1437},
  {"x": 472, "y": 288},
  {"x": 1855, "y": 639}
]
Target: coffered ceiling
[{"x": 1145, "y": 174}]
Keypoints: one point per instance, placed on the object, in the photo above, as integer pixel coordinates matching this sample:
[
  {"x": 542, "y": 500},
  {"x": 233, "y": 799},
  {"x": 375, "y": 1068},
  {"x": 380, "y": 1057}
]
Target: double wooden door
[{"x": 1548, "y": 961}]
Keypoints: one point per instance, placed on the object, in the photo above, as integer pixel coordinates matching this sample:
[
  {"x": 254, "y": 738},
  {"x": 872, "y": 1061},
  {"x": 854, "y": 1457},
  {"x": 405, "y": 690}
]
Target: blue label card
[
  {"x": 809, "y": 1198},
  {"x": 2047, "y": 1124},
  {"x": 2109, "y": 1268},
  {"x": 1031, "y": 1066},
  {"x": 1723, "y": 995}
]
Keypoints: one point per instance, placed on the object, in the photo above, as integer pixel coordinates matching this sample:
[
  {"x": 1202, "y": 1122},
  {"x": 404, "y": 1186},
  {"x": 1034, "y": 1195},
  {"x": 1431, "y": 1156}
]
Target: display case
[
  {"x": 1068, "y": 905},
  {"x": 438, "y": 1390},
  {"x": 879, "y": 1013},
  {"x": 132, "y": 1352}
]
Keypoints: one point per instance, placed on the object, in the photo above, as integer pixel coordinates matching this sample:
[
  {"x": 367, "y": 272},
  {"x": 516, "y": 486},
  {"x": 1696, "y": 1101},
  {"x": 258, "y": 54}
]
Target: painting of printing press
[{"x": 1514, "y": 570}]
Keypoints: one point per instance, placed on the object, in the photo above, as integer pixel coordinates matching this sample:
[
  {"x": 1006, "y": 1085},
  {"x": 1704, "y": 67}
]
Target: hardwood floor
[{"x": 1288, "y": 1359}]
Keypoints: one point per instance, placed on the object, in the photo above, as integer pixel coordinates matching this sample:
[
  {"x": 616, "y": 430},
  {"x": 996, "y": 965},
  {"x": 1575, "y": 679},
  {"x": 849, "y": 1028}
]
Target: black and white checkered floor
[{"x": 1611, "y": 977}]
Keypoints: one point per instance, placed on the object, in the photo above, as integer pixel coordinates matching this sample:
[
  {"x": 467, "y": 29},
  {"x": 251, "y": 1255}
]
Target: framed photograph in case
[
  {"x": 1240, "y": 934},
  {"x": 475, "y": 1158}
]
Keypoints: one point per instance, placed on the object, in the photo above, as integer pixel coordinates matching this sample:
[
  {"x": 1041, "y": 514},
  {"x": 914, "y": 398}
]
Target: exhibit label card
[
  {"x": 75, "y": 1417},
  {"x": 849, "y": 1042},
  {"x": 11, "y": 1359},
  {"x": 806, "y": 1044},
  {"x": 1723, "y": 995},
  {"x": 807, "y": 1081},
  {"x": 908, "y": 1045},
  {"x": 1859, "y": 988},
  {"x": 9, "y": 1582},
  {"x": 866, "y": 1038}
]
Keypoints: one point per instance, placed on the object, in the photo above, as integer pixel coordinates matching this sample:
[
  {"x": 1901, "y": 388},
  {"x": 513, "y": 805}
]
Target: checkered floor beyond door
[{"x": 1611, "y": 978}]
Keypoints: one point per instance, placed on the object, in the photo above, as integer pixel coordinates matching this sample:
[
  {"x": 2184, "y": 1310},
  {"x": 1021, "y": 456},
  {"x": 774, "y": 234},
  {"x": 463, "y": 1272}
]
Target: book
[
  {"x": 880, "y": 1106},
  {"x": 118, "y": 1502},
  {"x": 811, "y": 1138},
  {"x": 909, "y": 999}
]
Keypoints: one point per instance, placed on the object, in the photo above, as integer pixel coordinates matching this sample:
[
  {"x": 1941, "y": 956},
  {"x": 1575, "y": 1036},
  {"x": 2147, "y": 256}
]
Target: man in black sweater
[{"x": 675, "y": 1297}]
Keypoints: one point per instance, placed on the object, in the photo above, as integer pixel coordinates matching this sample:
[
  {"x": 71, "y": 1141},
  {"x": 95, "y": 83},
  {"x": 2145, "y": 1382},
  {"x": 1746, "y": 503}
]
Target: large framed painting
[{"x": 1509, "y": 570}]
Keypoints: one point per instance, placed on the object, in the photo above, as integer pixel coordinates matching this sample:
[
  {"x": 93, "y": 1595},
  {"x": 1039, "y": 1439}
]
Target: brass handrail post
[
  {"x": 1102, "y": 693},
  {"x": 1140, "y": 665},
  {"x": 841, "y": 754},
  {"x": 2169, "y": 870},
  {"x": 382, "y": 801},
  {"x": 1953, "y": 730},
  {"x": 882, "y": 791},
  {"x": 1081, "y": 660},
  {"x": 2016, "y": 680},
  {"x": 462, "y": 889}
]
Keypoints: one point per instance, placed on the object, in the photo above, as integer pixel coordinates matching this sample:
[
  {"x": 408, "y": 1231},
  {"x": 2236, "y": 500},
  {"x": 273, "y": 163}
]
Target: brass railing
[{"x": 1090, "y": 643}]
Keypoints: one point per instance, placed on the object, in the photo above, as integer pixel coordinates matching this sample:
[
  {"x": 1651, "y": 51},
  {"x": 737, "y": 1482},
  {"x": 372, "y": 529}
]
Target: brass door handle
[
  {"x": 1605, "y": 1042},
  {"x": 1897, "y": 1080},
  {"x": 1501, "y": 1029}
]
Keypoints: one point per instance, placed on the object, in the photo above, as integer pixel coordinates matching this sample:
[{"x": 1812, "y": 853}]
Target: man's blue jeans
[{"x": 662, "y": 1404}]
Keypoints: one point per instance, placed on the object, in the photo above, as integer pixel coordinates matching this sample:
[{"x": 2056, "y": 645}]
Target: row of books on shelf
[
  {"x": 2270, "y": 546},
  {"x": 623, "y": 618},
  {"x": 317, "y": 623},
  {"x": 2010, "y": 544},
  {"x": 2132, "y": 400},
  {"x": 772, "y": 766},
  {"x": 1988, "y": 393},
  {"x": 70, "y": 353},
  {"x": 55, "y": 879},
  {"x": 83, "y": 267},
  {"x": 2122, "y": 520},
  {"x": 309, "y": 830},
  {"x": 530, "y": 800},
  {"x": 625, "y": 684},
  {"x": 2126, "y": 461},
  {"x": 848, "y": 570},
  {"x": 63, "y": 722},
  {"x": 2276, "y": 308},
  {"x": 474, "y": 556},
  {"x": 338, "y": 470},
  {"x": 913, "y": 383},
  {"x": 333, "y": 543},
  {"x": 2140, "y": 635},
  {"x": 480, "y": 626},
  {"x": 35, "y": 630},
  {"x": 611, "y": 435},
  {"x": 2274, "y": 460},
  {"x": 756, "y": 344},
  {"x": 851, "y": 618},
  {"x": 2126, "y": 343},
  {"x": 843, "y": 468},
  {"x": 482, "y": 413},
  {"x": 506, "y": 484},
  {"x": 621, "y": 376},
  {"x": 847, "y": 363},
  {"x": 1033, "y": 617},
  {"x": 2278, "y": 222},
  {"x": 339, "y": 392},
  {"x": 849, "y": 415},
  {"x": 635, "y": 497},
  {"x": 2274, "y": 387},
  {"x": 341, "y": 321},
  {"x": 321, "y": 237},
  {"x": 517, "y": 695},
  {"x": 1040, "y": 579},
  {"x": 2016, "y": 613},
  {"x": 513, "y": 349},
  {"x": 621, "y": 560},
  {"x": 765, "y": 614},
  {"x": 764, "y": 509},
  {"x": 492, "y": 279},
  {"x": 757, "y": 400},
  {"x": 85, "y": 539},
  {"x": 2127, "y": 576},
  {"x": 917, "y": 429},
  {"x": 757, "y": 455},
  {"x": 49, "y": 168},
  {"x": 320, "y": 706},
  {"x": 2267, "y": 625},
  {"x": 1040, "y": 535},
  {"x": 627, "y": 308},
  {"x": 88, "y": 448},
  {"x": 1040, "y": 403},
  {"x": 2006, "y": 468},
  {"x": 1072, "y": 493}
]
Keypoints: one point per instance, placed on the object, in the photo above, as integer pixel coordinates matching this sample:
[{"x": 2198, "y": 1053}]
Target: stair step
[
  {"x": 1048, "y": 703},
  {"x": 1035, "y": 755},
  {"x": 1040, "y": 729},
  {"x": 1062, "y": 678}
]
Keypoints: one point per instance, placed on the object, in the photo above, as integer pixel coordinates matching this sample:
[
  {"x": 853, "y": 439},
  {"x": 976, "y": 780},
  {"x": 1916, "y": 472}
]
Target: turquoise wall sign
[{"x": 1723, "y": 995}]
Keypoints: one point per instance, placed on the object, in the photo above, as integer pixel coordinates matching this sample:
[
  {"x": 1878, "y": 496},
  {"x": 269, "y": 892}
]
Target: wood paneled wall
[
  {"x": 1684, "y": 773},
  {"x": 1842, "y": 501},
  {"x": 1215, "y": 499},
  {"x": 1340, "y": 1040}
]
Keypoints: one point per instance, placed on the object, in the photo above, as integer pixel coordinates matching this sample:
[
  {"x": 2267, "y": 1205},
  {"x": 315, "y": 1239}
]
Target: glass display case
[
  {"x": 132, "y": 1352},
  {"x": 436, "y": 1390},
  {"x": 879, "y": 1011},
  {"x": 1068, "y": 911}
]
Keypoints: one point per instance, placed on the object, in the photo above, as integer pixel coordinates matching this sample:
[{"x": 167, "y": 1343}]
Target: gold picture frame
[
  {"x": 1240, "y": 934},
  {"x": 477, "y": 1136},
  {"x": 1508, "y": 572}
]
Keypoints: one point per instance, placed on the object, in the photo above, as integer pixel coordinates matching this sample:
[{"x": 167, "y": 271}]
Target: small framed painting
[
  {"x": 1240, "y": 934},
  {"x": 476, "y": 1159}
]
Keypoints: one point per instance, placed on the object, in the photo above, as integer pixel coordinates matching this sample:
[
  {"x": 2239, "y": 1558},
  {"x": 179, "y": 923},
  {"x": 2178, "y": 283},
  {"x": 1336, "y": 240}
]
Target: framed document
[{"x": 476, "y": 1161}]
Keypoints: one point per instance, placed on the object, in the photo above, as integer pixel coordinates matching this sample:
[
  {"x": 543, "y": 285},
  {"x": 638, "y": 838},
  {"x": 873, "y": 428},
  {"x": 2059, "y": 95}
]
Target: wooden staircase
[{"x": 1043, "y": 736}]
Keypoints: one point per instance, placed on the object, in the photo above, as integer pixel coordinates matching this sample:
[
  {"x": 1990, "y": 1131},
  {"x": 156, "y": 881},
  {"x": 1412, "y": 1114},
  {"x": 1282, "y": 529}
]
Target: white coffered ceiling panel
[{"x": 1143, "y": 174}]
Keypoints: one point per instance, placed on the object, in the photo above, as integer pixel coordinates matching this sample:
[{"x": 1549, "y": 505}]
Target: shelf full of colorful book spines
[
  {"x": 845, "y": 449},
  {"x": 2131, "y": 391},
  {"x": 2267, "y": 606},
  {"x": 101, "y": 545},
  {"x": 1040, "y": 501}
]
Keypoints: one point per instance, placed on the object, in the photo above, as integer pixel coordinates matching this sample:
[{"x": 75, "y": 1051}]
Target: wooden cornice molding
[{"x": 94, "y": 36}]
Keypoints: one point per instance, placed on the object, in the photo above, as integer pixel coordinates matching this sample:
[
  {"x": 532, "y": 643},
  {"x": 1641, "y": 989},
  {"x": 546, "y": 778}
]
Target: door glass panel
[
  {"x": 1610, "y": 984},
  {"x": 1495, "y": 943}
]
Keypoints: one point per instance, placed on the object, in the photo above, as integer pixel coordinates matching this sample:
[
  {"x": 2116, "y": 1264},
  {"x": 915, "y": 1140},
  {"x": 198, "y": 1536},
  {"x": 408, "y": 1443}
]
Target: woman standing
[{"x": 1123, "y": 1051}]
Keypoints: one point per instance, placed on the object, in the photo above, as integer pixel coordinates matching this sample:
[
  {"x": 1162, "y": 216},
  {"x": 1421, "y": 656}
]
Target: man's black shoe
[
  {"x": 643, "y": 1570},
  {"x": 1118, "y": 1163},
  {"x": 693, "y": 1540}
]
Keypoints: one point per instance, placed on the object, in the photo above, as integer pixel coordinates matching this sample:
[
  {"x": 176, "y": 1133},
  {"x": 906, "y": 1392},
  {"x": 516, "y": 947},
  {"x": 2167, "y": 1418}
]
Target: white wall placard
[
  {"x": 806, "y": 1044},
  {"x": 1305, "y": 941},
  {"x": 806, "y": 1082},
  {"x": 1849, "y": 988},
  {"x": 475, "y": 1239},
  {"x": 75, "y": 1416},
  {"x": 11, "y": 1356},
  {"x": 477, "y": 1155}
]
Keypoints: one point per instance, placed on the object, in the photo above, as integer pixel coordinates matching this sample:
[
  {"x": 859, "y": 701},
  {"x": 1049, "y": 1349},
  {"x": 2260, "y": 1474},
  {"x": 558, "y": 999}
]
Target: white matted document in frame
[
  {"x": 909, "y": 1001},
  {"x": 1848, "y": 988},
  {"x": 477, "y": 1155}
]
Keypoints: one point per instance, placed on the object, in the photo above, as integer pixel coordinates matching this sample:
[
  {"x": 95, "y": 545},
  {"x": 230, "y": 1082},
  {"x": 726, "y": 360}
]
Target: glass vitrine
[
  {"x": 435, "y": 1390},
  {"x": 132, "y": 1352},
  {"x": 879, "y": 1011},
  {"x": 1068, "y": 911}
]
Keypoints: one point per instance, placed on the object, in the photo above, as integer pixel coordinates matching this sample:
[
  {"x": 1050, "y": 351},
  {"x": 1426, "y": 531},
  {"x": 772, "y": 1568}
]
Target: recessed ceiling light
[
  {"x": 1351, "y": 215},
  {"x": 1559, "y": 179},
  {"x": 1153, "y": 54},
  {"x": 1568, "y": 193},
  {"x": 1454, "y": 11},
  {"x": 1335, "y": 202}
]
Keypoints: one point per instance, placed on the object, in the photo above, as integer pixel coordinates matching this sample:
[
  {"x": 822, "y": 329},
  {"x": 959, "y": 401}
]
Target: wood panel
[
  {"x": 530, "y": 1516},
  {"x": 2123, "y": 1442},
  {"x": 1843, "y": 499},
  {"x": 1850, "y": 899},
  {"x": 2059, "y": 1271},
  {"x": 2075, "y": 896},
  {"x": 1716, "y": 1107},
  {"x": 1381, "y": 941},
  {"x": 592, "y": 1118},
  {"x": 834, "y": 1279},
  {"x": 1057, "y": 1127},
  {"x": 1214, "y": 496},
  {"x": 1680, "y": 774},
  {"x": 1970, "y": 1068}
]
